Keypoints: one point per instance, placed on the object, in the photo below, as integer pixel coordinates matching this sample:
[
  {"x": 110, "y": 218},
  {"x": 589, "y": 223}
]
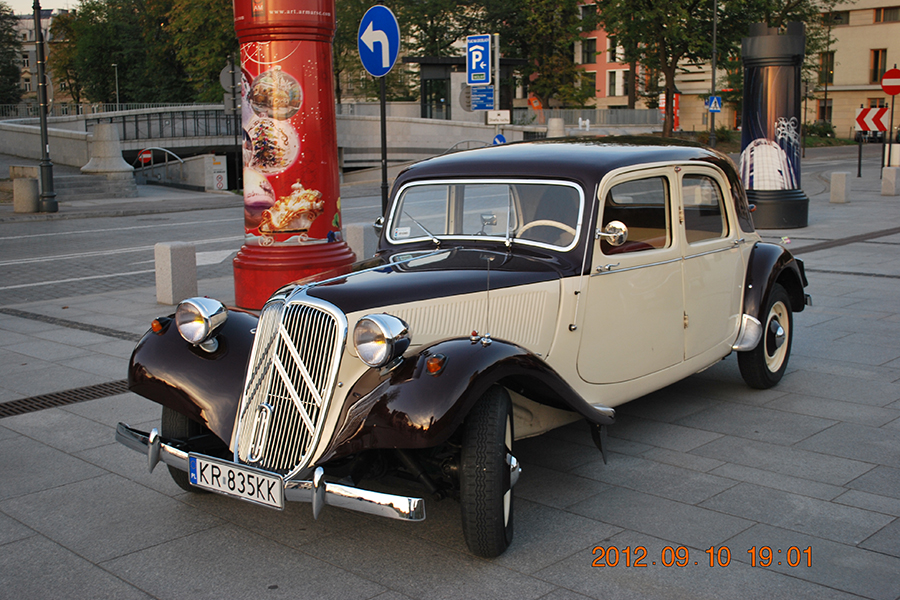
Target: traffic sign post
[
  {"x": 890, "y": 83},
  {"x": 478, "y": 60},
  {"x": 378, "y": 42}
]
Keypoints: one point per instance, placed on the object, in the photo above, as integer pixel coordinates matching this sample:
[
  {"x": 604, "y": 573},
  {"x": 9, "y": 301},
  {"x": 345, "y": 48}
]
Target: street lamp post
[
  {"x": 712, "y": 115},
  {"x": 47, "y": 202},
  {"x": 116, "y": 67}
]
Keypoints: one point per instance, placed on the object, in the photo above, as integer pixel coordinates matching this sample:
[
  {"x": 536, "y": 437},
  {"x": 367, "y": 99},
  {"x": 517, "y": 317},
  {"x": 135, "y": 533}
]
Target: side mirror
[
  {"x": 378, "y": 226},
  {"x": 615, "y": 233}
]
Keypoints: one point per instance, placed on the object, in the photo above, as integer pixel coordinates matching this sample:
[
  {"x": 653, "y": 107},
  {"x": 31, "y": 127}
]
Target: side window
[
  {"x": 704, "y": 216},
  {"x": 643, "y": 206}
]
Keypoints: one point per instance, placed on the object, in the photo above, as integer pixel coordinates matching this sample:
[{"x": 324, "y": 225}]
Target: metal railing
[
  {"x": 599, "y": 117},
  {"x": 25, "y": 110},
  {"x": 204, "y": 122}
]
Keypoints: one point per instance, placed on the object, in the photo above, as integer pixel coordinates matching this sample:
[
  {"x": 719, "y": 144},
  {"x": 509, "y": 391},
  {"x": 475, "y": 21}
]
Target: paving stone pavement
[{"x": 704, "y": 470}]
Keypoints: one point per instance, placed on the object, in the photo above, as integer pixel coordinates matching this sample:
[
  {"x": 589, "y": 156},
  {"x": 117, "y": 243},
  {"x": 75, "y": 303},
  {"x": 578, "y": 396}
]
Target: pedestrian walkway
[{"x": 706, "y": 469}]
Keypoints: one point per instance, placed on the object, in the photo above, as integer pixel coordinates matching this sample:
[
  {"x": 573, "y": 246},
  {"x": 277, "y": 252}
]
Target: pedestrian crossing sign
[{"x": 715, "y": 104}]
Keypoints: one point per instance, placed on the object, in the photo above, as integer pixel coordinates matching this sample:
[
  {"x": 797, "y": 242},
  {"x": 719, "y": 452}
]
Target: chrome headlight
[
  {"x": 198, "y": 318},
  {"x": 379, "y": 339}
]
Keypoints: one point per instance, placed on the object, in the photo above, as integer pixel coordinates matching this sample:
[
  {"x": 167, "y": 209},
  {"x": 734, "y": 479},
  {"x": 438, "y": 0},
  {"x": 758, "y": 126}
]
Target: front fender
[
  {"x": 411, "y": 408},
  {"x": 203, "y": 386},
  {"x": 770, "y": 264}
]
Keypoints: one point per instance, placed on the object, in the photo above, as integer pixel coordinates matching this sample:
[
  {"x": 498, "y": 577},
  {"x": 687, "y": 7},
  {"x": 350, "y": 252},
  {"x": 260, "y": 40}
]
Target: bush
[
  {"x": 723, "y": 134},
  {"x": 820, "y": 129}
]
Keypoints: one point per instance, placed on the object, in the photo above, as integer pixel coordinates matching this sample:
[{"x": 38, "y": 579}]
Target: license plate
[{"x": 239, "y": 481}]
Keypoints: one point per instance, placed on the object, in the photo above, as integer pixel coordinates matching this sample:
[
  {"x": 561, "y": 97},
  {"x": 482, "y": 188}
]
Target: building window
[
  {"x": 837, "y": 18},
  {"x": 589, "y": 82},
  {"x": 824, "y": 113},
  {"x": 611, "y": 81},
  {"x": 589, "y": 51},
  {"x": 877, "y": 102},
  {"x": 26, "y": 84},
  {"x": 887, "y": 15},
  {"x": 26, "y": 62},
  {"x": 615, "y": 53},
  {"x": 588, "y": 10},
  {"x": 618, "y": 83},
  {"x": 879, "y": 65},
  {"x": 826, "y": 67},
  {"x": 24, "y": 36}
]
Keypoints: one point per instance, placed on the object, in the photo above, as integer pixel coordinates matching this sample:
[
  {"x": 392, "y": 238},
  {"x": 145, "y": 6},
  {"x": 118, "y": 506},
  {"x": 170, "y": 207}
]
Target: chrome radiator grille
[{"x": 289, "y": 385}]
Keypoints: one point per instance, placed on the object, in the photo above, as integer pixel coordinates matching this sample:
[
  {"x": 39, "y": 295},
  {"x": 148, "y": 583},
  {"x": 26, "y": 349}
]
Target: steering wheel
[{"x": 547, "y": 223}]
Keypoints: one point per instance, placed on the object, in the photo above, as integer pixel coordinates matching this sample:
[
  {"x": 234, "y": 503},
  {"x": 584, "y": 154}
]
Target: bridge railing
[
  {"x": 601, "y": 117},
  {"x": 25, "y": 110},
  {"x": 199, "y": 122}
]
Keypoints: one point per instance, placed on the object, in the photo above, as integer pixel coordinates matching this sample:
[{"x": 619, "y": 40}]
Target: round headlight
[
  {"x": 379, "y": 339},
  {"x": 198, "y": 318}
]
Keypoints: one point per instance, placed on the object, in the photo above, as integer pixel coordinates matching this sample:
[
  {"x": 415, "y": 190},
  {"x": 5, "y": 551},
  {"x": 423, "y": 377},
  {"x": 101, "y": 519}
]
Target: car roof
[{"x": 578, "y": 159}]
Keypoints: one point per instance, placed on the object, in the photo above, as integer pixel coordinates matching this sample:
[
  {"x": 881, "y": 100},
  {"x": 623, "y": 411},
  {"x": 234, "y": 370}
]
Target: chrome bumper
[{"x": 318, "y": 492}]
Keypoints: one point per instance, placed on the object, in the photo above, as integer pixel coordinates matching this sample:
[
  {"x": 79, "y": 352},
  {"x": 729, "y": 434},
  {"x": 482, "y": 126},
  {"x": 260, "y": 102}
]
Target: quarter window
[
  {"x": 704, "y": 216},
  {"x": 642, "y": 205}
]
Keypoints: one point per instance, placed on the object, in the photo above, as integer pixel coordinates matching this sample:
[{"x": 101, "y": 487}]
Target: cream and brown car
[{"x": 516, "y": 289}]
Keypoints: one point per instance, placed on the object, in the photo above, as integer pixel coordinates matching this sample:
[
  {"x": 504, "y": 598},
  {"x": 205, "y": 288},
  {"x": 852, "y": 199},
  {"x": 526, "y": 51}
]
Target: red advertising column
[{"x": 292, "y": 205}]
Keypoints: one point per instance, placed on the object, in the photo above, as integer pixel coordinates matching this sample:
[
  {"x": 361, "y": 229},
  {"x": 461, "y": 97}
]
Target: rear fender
[
  {"x": 411, "y": 408},
  {"x": 770, "y": 264},
  {"x": 204, "y": 386}
]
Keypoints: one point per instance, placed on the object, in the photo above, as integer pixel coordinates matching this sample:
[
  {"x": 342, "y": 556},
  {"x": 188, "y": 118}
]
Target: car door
[
  {"x": 713, "y": 263},
  {"x": 632, "y": 324}
]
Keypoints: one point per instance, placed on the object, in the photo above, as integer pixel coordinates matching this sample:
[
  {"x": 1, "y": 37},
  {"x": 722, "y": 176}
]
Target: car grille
[{"x": 289, "y": 386}]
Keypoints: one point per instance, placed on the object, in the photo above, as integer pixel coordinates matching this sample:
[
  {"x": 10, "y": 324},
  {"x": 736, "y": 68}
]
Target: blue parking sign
[
  {"x": 378, "y": 40},
  {"x": 478, "y": 59}
]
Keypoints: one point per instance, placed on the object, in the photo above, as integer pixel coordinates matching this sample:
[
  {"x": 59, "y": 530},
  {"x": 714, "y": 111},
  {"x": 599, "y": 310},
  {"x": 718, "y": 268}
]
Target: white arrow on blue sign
[
  {"x": 378, "y": 40},
  {"x": 478, "y": 59}
]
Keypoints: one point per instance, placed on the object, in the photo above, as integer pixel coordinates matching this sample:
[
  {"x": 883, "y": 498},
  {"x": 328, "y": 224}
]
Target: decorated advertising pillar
[
  {"x": 770, "y": 137},
  {"x": 292, "y": 206}
]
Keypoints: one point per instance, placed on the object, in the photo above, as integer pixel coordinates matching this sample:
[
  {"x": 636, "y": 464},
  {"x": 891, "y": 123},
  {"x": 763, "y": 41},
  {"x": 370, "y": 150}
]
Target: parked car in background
[{"x": 515, "y": 289}]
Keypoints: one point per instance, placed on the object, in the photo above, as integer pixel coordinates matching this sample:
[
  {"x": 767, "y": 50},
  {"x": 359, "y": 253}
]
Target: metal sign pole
[
  {"x": 384, "y": 176},
  {"x": 496, "y": 79}
]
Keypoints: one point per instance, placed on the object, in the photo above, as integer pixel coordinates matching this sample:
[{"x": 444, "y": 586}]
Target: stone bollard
[
  {"x": 25, "y": 195},
  {"x": 362, "y": 239},
  {"x": 176, "y": 271},
  {"x": 890, "y": 181},
  {"x": 840, "y": 187},
  {"x": 556, "y": 127}
]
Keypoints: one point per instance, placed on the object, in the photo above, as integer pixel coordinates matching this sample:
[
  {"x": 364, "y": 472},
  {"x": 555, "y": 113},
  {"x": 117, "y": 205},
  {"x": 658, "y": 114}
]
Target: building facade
[{"x": 28, "y": 78}]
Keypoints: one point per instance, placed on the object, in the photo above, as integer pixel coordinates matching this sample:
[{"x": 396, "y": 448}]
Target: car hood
[{"x": 420, "y": 276}]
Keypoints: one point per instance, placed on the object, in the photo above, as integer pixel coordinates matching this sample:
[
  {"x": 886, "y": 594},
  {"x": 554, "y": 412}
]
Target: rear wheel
[
  {"x": 176, "y": 426},
  {"x": 486, "y": 474},
  {"x": 764, "y": 366}
]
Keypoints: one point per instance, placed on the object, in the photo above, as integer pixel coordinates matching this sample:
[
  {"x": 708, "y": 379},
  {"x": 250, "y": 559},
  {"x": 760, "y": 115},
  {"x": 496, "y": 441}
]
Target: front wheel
[
  {"x": 176, "y": 426},
  {"x": 487, "y": 473},
  {"x": 764, "y": 366}
]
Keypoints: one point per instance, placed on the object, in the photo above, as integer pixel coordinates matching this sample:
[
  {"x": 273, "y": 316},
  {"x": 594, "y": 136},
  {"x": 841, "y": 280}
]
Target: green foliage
[
  {"x": 724, "y": 135},
  {"x": 202, "y": 32},
  {"x": 820, "y": 129},
  {"x": 62, "y": 56},
  {"x": 10, "y": 51}
]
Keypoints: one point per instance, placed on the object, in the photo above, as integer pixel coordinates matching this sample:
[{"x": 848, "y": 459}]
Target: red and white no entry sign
[
  {"x": 890, "y": 82},
  {"x": 145, "y": 156},
  {"x": 871, "y": 119}
]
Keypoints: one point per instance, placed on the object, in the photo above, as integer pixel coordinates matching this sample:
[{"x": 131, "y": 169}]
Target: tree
[
  {"x": 62, "y": 56},
  {"x": 544, "y": 33},
  {"x": 203, "y": 35},
  {"x": 10, "y": 54}
]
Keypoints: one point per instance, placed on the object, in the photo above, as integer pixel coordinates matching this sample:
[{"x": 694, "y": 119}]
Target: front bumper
[{"x": 318, "y": 492}]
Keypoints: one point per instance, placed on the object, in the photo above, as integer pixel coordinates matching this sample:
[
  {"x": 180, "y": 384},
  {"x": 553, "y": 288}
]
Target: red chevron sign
[{"x": 871, "y": 119}]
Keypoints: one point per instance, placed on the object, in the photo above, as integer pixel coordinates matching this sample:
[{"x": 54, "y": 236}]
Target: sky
[{"x": 26, "y": 7}]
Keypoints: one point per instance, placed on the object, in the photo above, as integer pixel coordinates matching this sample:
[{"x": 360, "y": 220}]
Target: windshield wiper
[{"x": 434, "y": 238}]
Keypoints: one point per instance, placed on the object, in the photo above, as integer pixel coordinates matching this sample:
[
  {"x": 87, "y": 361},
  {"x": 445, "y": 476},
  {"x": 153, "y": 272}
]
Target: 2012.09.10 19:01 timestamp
[{"x": 637, "y": 556}]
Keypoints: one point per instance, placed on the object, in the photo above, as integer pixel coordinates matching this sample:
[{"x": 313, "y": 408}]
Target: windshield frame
[{"x": 503, "y": 239}]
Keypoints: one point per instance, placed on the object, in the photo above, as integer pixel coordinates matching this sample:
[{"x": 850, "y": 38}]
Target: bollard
[
  {"x": 890, "y": 181},
  {"x": 25, "y": 195},
  {"x": 840, "y": 187},
  {"x": 556, "y": 127},
  {"x": 362, "y": 239},
  {"x": 176, "y": 272}
]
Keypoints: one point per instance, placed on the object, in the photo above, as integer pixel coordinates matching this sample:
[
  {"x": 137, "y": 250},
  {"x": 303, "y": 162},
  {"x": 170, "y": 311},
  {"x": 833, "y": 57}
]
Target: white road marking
[
  {"x": 117, "y": 229},
  {"x": 73, "y": 279}
]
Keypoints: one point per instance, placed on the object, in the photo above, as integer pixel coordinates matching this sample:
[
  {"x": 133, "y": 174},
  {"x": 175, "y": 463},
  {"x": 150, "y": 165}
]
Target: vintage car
[{"x": 515, "y": 289}]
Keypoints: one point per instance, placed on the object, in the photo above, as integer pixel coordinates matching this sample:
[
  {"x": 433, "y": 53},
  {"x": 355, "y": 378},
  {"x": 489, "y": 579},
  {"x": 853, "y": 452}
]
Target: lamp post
[
  {"x": 712, "y": 115},
  {"x": 116, "y": 67},
  {"x": 47, "y": 202}
]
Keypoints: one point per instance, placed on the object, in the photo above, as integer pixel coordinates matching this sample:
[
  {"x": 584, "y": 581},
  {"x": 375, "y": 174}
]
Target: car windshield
[{"x": 540, "y": 213}]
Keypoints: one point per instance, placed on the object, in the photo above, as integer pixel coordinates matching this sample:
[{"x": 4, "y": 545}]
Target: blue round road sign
[
  {"x": 499, "y": 139},
  {"x": 378, "y": 40}
]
